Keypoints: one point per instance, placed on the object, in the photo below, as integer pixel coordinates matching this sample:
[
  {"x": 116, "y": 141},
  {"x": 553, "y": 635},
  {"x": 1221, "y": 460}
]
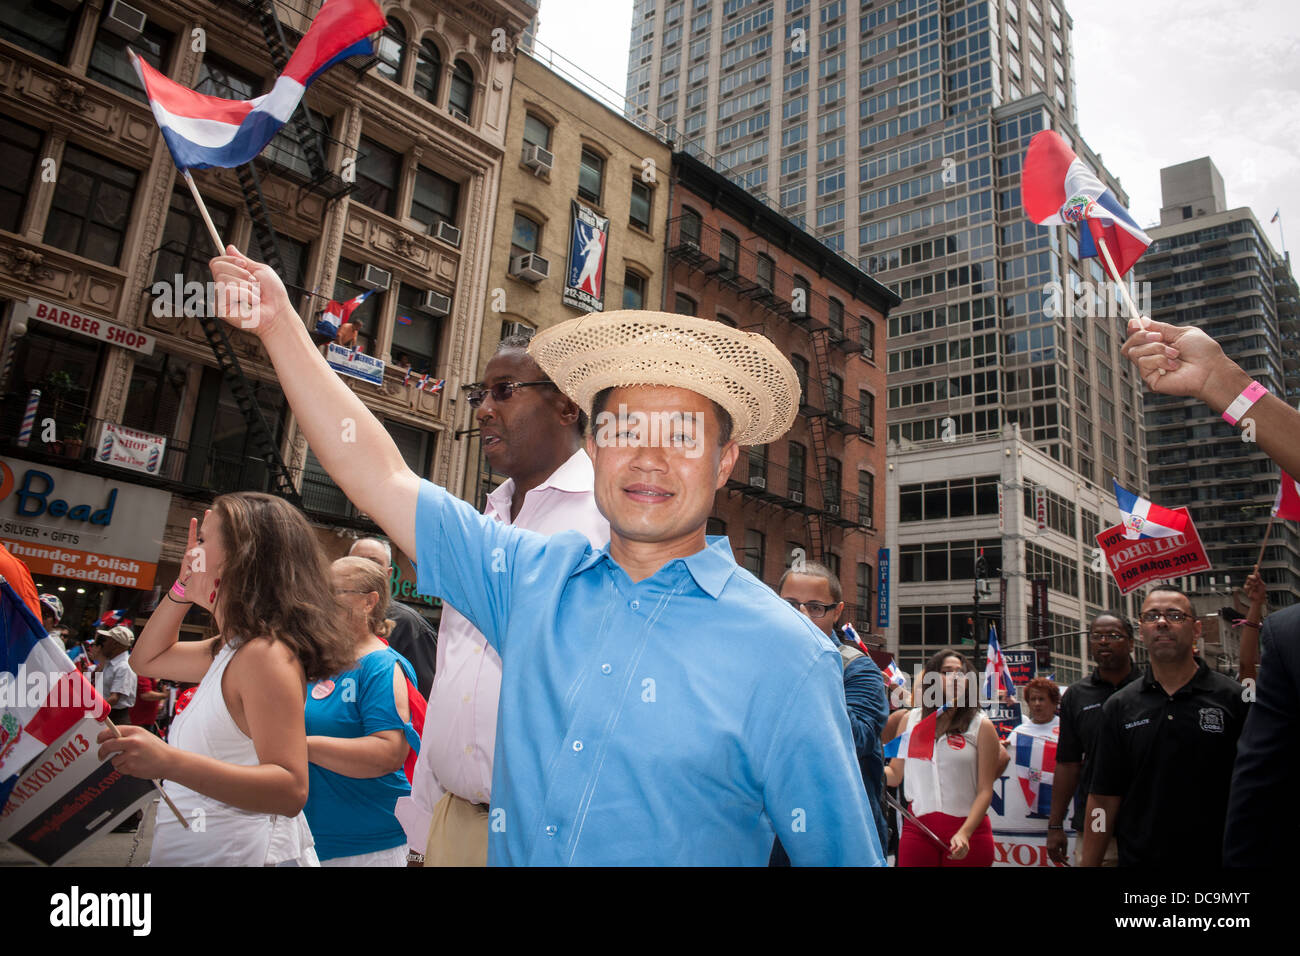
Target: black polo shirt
[
  {"x": 1170, "y": 759},
  {"x": 1080, "y": 721}
]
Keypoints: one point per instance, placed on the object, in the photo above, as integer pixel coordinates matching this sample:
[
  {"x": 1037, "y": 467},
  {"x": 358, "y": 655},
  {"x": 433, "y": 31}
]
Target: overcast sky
[{"x": 1159, "y": 82}]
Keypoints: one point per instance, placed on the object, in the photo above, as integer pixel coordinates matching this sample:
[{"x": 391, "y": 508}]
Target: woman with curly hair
[{"x": 235, "y": 763}]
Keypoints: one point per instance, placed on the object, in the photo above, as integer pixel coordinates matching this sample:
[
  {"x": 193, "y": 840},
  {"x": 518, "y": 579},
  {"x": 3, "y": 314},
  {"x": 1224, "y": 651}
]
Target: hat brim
[{"x": 745, "y": 373}]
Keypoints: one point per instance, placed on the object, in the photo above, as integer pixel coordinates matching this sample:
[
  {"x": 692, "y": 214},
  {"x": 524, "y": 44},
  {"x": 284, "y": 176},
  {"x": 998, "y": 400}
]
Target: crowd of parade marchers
[{"x": 608, "y": 686}]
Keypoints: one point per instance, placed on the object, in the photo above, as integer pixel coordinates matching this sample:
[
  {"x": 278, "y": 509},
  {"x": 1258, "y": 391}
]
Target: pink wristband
[
  {"x": 1243, "y": 402},
  {"x": 178, "y": 591}
]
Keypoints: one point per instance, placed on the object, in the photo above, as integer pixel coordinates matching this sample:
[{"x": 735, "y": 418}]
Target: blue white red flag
[
  {"x": 995, "y": 668},
  {"x": 1057, "y": 188},
  {"x": 112, "y": 618},
  {"x": 917, "y": 743},
  {"x": 893, "y": 676},
  {"x": 436, "y": 385},
  {"x": 406, "y": 379},
  {"x": 851, "y": 633},
  {"x": 1276, "y": 216},
  {"x": 1035, "y": 762},
  {"x": 1143, "y": 519},
  {"x": 335, "y": 314},
  {"x": 203, "y": 131},
  {"x": 42, "y": 694},
  {"x": 1287, "y": 503}
]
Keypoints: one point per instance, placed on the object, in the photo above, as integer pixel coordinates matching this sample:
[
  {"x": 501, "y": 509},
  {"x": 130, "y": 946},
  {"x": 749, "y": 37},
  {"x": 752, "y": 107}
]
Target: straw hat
[{"x": 742, "y": 371}]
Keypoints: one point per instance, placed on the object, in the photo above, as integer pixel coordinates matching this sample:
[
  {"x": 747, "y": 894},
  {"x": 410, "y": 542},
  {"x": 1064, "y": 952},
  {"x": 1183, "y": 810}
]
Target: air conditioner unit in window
[
  {"x": 435, "y": 303},
  {"x": 125, "y": 20},
  {"x": 869, "y": 432},
  {"x": 463, "y": 117},
  {"x": 537, "y": 159},
  {"x": 796, "y": 497},
  {"x": 869, "y": 354},
  {"x": 530, "y": 267},
  {"x": 516, "y": 328},
  {"x": 445, "y": 232},
  {"x": 832, "y": 509},
  {"x": 373, "y": 277},
  {"x": 758, "y": 481}
]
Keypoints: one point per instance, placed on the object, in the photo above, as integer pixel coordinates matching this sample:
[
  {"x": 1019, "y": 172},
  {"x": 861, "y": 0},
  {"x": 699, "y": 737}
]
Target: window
[
  {"x": 526, "y": 237},
  {"x": 92, "y": 206},
  {"x": 867, "y": 332},
  {"x": 219, "y": 78},
  {"x": 428, "y": 71},
  {"x": 867, "y": 416},
  {"x": 536, "y": 132},
  {"x": 690, "y": 226},
  {"x": 865, "y": 579},
  {"x": 415, "y": 333},
  {"x": 110, "y": 65},
  {"x": 436, "y": 198},
  {"x": 185, "y": 244},
  {"x": 866, "y": 498},
  {"x": 802, "y": 295},
  {"x": 798, "y": 456},
  {"x": 591, "y": 170},
  {"x": 21, "y": 145},
  {"x": 835, "y": 316},
  {"x": 729, "y": 251},
  {"x": 684, "y": 304},
  {"x": 460, "y": 98},
  {"x": 766, "y": 271},
  {"x": 392, "y": 50},
  {"x": 157, "y": 389},
  {"x": 633, "y": 290},
  {"x": 757, "y": 463},
  {"x": 835, "y": 394},
  {"x": 345, "y": 287},
  {"x": 639, "y": 211},
  {"x": 801, "y": 375},
  {"x": 379, "y": 171},
  {"x": 40, "y": 26},
  {"x": 754, "y": 548},
  {"x": 416, "y": 446}
]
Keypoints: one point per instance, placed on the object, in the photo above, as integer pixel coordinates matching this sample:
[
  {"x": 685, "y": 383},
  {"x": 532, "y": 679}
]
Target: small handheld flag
[
  {"x": 851, "y": 633},
  {"x": 1287, "y": 504},
  {"x": 996, "y": 669},
  {"x": 435, "y": 386},
  {"x": 1143, "y": 519},
  {"x": 917, "y": 743}
]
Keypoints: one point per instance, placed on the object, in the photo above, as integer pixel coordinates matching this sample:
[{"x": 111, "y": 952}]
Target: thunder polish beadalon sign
[{"x": 82, "y": 527}]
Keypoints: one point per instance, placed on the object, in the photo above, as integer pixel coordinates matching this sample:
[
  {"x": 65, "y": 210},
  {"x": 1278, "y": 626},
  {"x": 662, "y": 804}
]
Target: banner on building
[
  {"x": 128, "y": 448},
  {"x": 1002, "y": 521},
  {"x": 1038, "y": 623},
  {"x": 70, "y": 525},
  {"x": 1133, "y": 563},
  {"x": 1040, "y": 507},
  {"x": 584, "y": 283},
  {"x": 356, "y": 364},
  {"x": 882, "y": 587},
  {"x": 91, "y": 326}
]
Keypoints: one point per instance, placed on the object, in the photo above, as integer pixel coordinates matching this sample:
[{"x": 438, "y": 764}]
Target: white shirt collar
[{"x": 576, "y": 475}]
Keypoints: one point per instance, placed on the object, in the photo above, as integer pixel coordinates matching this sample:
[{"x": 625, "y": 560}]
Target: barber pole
[
  {"x": 29, "y": 418},
  {"x": 154, "y": 458}
]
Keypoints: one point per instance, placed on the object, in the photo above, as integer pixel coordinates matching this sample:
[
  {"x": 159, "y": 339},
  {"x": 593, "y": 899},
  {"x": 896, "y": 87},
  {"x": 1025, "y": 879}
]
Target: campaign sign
[
  {"x": 584, "y": 283},
  {"x": 1135, "y": 562},
  {"x": 129, "y": 448},
  {"x": 67, "y": 796},
  {"x": 1022, "y": 664},
  {"x": 356, "y": 364},
  {"x": 1005, "y": 716}
]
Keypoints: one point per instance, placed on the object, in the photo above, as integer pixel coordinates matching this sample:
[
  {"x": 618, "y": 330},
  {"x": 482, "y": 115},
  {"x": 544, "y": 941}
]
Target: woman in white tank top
[
  {"x": 949, "y": 790},
  {"x": 236, "y": 763}
]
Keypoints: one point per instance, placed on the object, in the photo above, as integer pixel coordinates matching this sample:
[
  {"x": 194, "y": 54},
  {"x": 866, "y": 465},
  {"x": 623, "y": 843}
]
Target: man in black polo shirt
[
  {"x": 1110, "y": 641},
  {"x": 1165, "y": 750}
]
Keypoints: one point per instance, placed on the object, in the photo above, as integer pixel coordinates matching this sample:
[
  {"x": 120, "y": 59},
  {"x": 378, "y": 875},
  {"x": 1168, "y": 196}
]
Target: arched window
[
  {"x": 392, "y": 50},
  {"x": 428, "y": 70},
  {"x": 690, "y": 226},
  {"x": 460, "y": 98}
]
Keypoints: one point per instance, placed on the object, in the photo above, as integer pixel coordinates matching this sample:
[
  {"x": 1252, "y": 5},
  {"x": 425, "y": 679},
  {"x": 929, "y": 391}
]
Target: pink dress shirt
[{"x": 460, "y": 725}]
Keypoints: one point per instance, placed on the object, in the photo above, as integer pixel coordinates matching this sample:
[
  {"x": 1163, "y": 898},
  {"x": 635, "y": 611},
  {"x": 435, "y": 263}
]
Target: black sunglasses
[{"x": 500, "y": 392}]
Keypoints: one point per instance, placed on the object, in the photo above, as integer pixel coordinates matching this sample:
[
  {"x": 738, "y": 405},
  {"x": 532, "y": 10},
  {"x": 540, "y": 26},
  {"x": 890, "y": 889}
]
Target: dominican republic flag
[
  {"x": 406, "y": 379},
  {"x": 995, "y": 668},
  {"x": 203, "y": 131},
  {"x": 1287, "y": 505},
  {"x": 436, "y": 385},
  {"x": 852, "y": 635},
  {"x": 335, "y": 314},
  {"x": 42, "y": 694},
  {"x": 1276, "y": 216},
  {"x": 112, "y": 619},
  {"x": 1057, "y": 188},
  {"x": 893, "y": 676},
  {"x": 917, "y": 743},
  {"x": 1035, "y": 762},
  {"x": 1142, "y": 519}
]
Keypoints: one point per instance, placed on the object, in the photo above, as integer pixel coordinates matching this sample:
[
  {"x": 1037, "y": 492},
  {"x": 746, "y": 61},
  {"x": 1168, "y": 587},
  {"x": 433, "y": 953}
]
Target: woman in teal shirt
[{"x": 359, "y": 732}]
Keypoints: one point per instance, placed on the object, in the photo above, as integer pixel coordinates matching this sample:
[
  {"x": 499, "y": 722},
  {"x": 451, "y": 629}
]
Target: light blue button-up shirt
[{"x": 682, "y": 720}]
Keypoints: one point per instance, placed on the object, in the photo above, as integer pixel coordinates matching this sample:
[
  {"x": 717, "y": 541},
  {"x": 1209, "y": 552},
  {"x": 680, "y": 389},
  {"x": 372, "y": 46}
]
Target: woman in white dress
[{"x": 236, "y": 761}]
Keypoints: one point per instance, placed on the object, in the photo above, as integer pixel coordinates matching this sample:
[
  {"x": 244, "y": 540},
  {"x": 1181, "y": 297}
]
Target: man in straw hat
[{"x": 659, "y": 704}]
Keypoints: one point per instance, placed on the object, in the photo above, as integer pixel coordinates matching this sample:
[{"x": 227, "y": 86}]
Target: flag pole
[
  {"x": 889, "y": 798},
  {"x": 1264, "y": 543},
  {"x": 1123, "y": 286},
  {"x": 203, "y": 211},
  {"x": 157, "y": 783}
]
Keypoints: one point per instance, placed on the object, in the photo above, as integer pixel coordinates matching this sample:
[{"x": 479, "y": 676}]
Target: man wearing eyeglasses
[
  {"x": 532, "y": 434},
  {"x": 815, "y": 591},
  {"x": 1165, "y": 751}
]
